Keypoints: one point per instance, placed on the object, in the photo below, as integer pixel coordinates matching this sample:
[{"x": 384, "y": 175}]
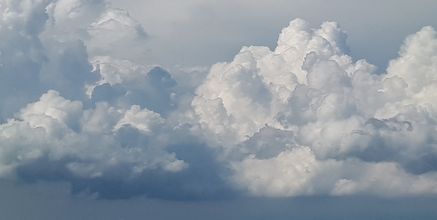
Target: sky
[
  {"x": 195, "y": 109},
  {"x": 376, "y": 29}
]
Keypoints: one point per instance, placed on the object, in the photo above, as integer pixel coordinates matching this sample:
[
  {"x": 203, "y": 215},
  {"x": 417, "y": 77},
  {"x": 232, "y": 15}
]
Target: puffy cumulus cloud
[
  {"x": 79, "y": 104},
  {"x": 125, "y": 83},
  {"x": 49, "y": 44},
  {"x": 364, "y": 132},
  {"x": 411, "y": 78},
  {"x": 261, "y": 87},
  {"x": 20, "y": 52},
  {"x": 108, "y": 151},
  {"x": 71, "y": 17},
  {"x": 296, "y": 167},
  {"x": 57, "y": 129},
  {"x": 298, "y": 172},
  {"x": 97, "y": 24},
  {"x": 116, "y": 28},
  {"x": 74, "y": 109},
  {"x": 33, "y": 60}
]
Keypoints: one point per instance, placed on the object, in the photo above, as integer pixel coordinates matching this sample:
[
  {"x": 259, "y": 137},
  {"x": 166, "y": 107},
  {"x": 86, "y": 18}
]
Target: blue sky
[
  {"x": 376, "y": 29},
  {"x": 218, "y": 109}
]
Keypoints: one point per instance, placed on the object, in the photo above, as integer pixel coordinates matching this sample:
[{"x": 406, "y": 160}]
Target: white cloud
[
  {"x": 364, "y": 131},
  {"x": 71, "y": 17},
  {"x": 114, "y": 71},
  {"x": 298, "y": 172},
  {"x": 78, "y": 103},
  {"x": 61, "y": 129},
  {"x": 142, "y": 120},
  {"x": 47, "y": 59},
  {"x": 288, "y": 174},
  {"x": 115, "y": 27},
  {"x": 260, "y": 85}
]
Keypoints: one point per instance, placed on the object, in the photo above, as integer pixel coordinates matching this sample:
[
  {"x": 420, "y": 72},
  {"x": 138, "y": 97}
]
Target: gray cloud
[{"x": 79, "y": 104}]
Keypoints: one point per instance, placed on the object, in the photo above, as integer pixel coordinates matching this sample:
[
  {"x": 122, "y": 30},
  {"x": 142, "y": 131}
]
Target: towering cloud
[
  {"x": 77, "y": 107},
  {"x": 79, "y": 104},
  {"x": 348, "y": 130}
]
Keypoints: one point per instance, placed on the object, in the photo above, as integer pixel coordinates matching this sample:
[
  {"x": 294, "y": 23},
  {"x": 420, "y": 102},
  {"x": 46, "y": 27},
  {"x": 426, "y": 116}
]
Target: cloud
[
  {"x": 295, "y": 169},
  {"x": 125, "y": 83},
  {"x": 79, "y": 104},
  {"x": 60, "y": 128},
  {"x": 258, "y": 84},
  {"x": 362, "y": 132},
  {"x": 115, "y": 27},
  {"x": 298, "y": 172},
  {"x": 93, "y": 119},
  {"x": 107, "y": 151},
  {"x": 21, "y": 56}
]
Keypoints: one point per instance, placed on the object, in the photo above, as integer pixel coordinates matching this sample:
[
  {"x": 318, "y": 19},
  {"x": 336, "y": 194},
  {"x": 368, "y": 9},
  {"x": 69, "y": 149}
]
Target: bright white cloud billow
[
  {"x": 355, "y": 123},
  {"x": 79, "y": 104}
]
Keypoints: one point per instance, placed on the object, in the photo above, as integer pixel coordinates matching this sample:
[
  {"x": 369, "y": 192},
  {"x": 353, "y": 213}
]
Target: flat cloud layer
[{"x": 77, "y": 105}]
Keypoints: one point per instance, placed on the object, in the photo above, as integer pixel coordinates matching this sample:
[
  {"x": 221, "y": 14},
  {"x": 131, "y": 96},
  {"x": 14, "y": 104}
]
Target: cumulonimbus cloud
[{"x": 77, "y": 105}]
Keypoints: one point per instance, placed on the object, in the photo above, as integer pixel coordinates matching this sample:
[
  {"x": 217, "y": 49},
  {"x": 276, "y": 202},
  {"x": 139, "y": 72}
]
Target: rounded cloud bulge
[
  {"x": 80, "y": 103},
  {"x": 76, "y": 106},
  {"x": 349, "y": 130}
]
